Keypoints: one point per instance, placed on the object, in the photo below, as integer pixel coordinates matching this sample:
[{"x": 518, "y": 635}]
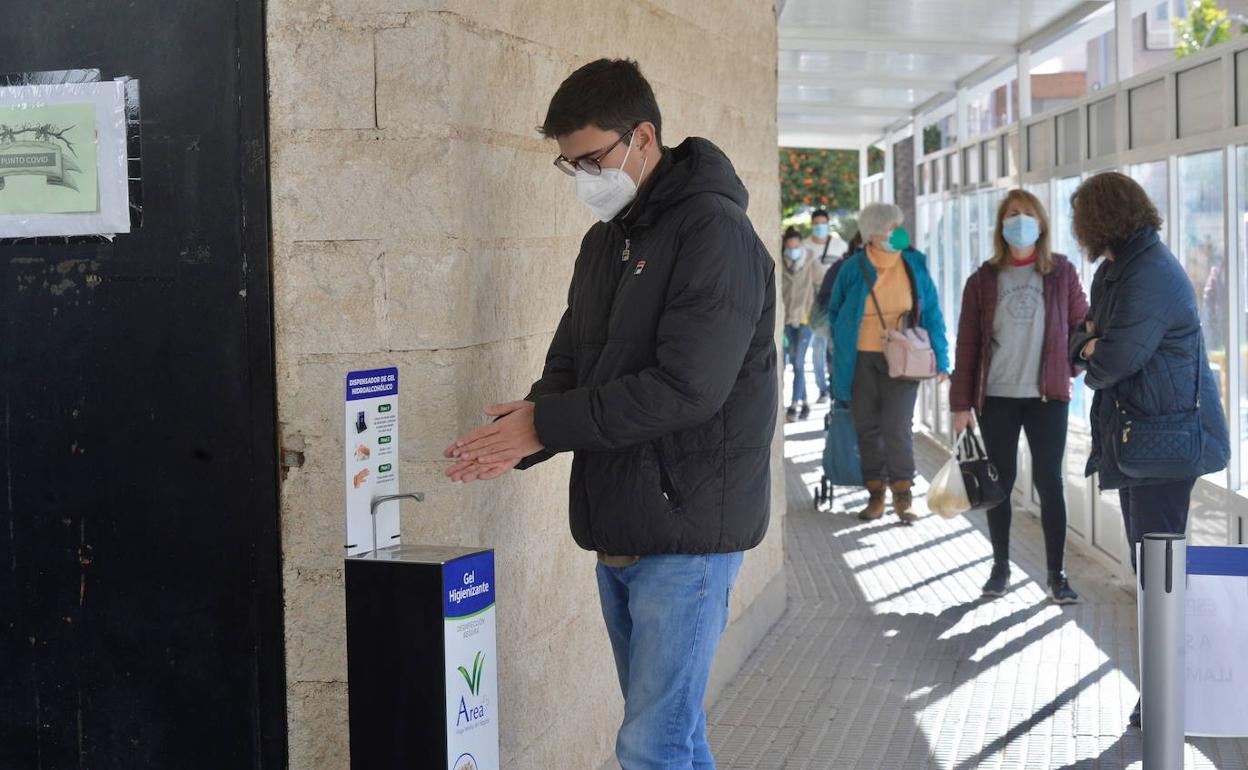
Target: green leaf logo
[{"x": 474, "y": 679}]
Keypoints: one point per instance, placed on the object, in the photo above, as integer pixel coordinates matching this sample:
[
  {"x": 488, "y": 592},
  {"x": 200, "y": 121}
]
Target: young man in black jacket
[{"x": 661, "y": 380}]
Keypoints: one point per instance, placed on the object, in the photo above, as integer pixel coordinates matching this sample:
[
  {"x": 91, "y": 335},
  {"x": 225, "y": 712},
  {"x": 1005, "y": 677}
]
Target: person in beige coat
[{"x": 801, "y": 275}]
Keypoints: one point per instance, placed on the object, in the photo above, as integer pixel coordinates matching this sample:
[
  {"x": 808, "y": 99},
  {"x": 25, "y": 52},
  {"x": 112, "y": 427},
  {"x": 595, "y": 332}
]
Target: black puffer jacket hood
[
  {"x": 661, "y": 378},
  {"x": 696, "y": 167}
]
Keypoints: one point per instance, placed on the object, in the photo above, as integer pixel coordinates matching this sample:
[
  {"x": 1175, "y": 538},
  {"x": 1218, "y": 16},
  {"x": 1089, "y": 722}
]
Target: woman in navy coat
[{"x": 1145, "y": 355}]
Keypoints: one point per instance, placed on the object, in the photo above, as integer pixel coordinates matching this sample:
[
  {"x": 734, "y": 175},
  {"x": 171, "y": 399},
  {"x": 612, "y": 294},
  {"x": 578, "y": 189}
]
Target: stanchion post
[{"x": 1163, "y": 584}]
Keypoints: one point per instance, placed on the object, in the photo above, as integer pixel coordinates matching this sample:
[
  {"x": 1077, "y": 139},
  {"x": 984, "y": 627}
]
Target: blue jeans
[
  {"x": 799, "y": 344},
  {"x": 664, "y": 617},
  {"x": 819, "y": 350}
]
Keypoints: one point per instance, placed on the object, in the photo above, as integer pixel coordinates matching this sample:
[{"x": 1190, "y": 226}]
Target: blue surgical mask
[
  {"x": 795, "y": 255},
  {"x": 820, "y": 230},
  {"x": 1020, "y": 230}
]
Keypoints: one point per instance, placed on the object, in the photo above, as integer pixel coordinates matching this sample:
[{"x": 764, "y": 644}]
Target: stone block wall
[{"x": 418, "y": 222}]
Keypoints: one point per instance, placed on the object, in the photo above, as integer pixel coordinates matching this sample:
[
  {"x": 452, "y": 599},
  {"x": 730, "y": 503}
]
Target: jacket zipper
[
  {"x": 626, "y": 257},
  {"x": 985, "y": 360},
  {"x": 1044, "y": 345},
  {"x": 665, "y": 480}
]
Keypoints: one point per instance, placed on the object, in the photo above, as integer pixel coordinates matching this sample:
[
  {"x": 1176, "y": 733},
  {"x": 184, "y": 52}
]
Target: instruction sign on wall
[
  {"x": 371, "y": 457},
  {"x": 1217, "y": 641},
  {"x": 468, "y": 593}
]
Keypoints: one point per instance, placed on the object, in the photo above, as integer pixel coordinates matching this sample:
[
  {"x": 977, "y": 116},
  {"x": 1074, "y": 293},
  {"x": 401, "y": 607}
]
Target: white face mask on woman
[
  {"x": 610, "y": 190},
  {"x": 796, "y": 256}
]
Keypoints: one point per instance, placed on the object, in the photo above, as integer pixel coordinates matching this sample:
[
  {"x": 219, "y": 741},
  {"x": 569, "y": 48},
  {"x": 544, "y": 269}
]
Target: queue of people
[
  {"x": 1025, "y": 332},
  {"x": 806, "y": 263}
]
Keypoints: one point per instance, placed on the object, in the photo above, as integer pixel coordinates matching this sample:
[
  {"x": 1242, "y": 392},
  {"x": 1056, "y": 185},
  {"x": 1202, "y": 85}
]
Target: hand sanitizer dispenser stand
[{"x": 422, "y": 665}]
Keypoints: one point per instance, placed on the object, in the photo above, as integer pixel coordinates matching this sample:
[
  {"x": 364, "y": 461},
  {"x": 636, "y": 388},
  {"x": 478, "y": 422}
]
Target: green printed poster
[{"x": 48, "y": 159}]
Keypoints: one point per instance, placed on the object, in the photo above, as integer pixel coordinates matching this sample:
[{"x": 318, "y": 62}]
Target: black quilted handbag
[
  {"x": 1167, "y": 446},
  {"x": 983, "y": 482}
]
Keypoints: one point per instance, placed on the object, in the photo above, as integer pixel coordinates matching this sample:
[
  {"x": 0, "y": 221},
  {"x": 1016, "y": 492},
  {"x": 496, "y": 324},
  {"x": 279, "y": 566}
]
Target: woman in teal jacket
[{"x": 883, "y": 408}]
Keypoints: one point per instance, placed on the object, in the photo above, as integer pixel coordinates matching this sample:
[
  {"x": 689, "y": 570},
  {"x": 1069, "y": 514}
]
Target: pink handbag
[
  {"x": 908, "y": 351},
  {"x": 909, "y": 354}
]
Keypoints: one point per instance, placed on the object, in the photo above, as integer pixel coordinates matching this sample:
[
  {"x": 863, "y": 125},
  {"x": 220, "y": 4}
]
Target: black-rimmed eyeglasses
[{"x": 591, "y": 164}]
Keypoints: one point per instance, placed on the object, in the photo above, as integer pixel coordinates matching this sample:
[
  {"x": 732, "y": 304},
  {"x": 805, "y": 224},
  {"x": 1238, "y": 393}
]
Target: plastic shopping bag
[{"x": 947, "y": 495}]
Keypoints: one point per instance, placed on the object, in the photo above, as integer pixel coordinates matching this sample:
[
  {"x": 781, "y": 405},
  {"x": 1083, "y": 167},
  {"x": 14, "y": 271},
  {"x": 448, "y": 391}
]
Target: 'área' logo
[{"x": 474, "y": 679}]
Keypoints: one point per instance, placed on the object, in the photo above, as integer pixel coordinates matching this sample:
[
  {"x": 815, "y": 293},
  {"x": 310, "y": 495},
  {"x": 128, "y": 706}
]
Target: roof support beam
[
  {"x": 1061, "y": 25},
  {"x": 842, "y": 80},
  {"x": 834, "y": 39},
  {"x": 820, "y": 139},
  {"x": 830, "y": 127},
  {"x": 988, "y": 70},
  {"x": 841, "y": 109}
]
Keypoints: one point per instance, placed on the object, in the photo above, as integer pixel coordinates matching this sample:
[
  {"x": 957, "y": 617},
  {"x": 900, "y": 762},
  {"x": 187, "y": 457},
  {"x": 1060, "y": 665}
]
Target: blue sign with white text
[
  {"x": 468, "y": 585},
  {"x": 372, "y": 383}
]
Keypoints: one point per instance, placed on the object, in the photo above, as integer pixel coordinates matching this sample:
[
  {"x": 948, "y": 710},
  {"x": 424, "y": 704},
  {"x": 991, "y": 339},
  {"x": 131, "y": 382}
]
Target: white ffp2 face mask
[{"x": 610, "y": 191}]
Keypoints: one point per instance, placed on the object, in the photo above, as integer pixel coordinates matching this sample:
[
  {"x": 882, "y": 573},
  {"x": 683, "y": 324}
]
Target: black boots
[{"x": 999, "y": 580}]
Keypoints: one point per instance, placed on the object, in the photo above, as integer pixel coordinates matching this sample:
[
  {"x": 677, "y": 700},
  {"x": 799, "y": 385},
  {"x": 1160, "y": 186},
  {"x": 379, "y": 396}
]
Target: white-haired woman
[{"x": 883, "y": 408}]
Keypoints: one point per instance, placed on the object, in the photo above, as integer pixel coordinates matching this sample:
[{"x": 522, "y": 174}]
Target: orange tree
[{"x": 818, "y": 179}]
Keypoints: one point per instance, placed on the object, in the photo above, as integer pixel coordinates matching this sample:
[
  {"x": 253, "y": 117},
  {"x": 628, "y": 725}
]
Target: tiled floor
[{"x": 887, "y": 657}]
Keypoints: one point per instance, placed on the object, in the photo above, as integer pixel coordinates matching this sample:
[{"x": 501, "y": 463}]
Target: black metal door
[{"x": 139, "y": 558}]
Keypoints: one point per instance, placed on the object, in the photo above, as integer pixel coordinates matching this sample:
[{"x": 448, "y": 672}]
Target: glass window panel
[
  {"x": 974, "y": 217},
  {"x": 1079, "y": 63},
  {"x": 952, "y": 170},
  {"x": 1155, "y": 34},
  {"x": 1154, "y": 177},
  {"x": 992, "y": 159},
  {"x": 1241, "y": 312},
  {"x": 1202, "y": 250},
  {"x": 991, "y": 108},
  {"x": 1063, "y": 234},
  {"x": 939, "y": 134},
  {"x": 989, "y": 201},
  {"x": 970, "y": 159},
  {"x": 936, "y": 259},
  {"x": 1041, "y": 191},
  {"x": 1011, "y": 154},
  {"x": 978, "y": 115},
  {"x": 953, "y": 310},
  {"x": 1200, "y": 99},
  {"x": 1079, "y": 438}
]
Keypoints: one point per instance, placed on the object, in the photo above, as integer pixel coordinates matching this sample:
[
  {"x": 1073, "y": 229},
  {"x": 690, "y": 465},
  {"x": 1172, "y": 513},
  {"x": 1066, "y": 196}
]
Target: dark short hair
[
  {"x": 1108, "y": 209},
  {"x": 820, "y": 213},
  {"x": 610, "y": 94},
  {"x": 792, "y": 232},
  {"x": 855, "y": 244}
]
